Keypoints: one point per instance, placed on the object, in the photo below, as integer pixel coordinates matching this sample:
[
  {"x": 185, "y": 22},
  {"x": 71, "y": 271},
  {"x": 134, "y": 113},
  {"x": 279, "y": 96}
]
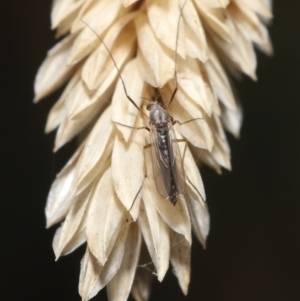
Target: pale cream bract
[{"x": 102, "y": 196}]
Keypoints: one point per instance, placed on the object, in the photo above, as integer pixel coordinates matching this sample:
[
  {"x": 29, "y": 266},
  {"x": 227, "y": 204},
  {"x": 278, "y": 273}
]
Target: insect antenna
[
  {"x": 175, "y": 57},
  {"x": 118, "y": 70}
]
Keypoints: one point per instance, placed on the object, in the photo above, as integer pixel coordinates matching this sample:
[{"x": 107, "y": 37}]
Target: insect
[
  {"x": 167, "y": 163},
  {"x": 168, "y": 170}
]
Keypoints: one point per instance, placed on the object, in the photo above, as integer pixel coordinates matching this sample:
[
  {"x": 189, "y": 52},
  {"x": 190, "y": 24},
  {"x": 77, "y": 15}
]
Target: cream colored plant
[{"x": 103, "y": 195}]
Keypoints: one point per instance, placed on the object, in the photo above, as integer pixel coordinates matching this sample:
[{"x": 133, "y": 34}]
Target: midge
[
  {"x": 167, "y": 163},
  {"x": 168, "y": 170}
]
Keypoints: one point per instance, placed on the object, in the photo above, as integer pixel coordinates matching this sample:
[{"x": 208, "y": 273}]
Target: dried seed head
[{"x": 102, "y": 193}]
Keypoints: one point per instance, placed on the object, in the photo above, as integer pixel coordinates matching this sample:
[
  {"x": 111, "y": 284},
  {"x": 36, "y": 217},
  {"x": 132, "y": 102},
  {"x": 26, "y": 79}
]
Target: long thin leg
[
  {"x": 175, "y": 58},
  {"x": 146, "y": 146},
  {"x": 185, "y": 147},
  {"x": 198, "y": 192},
  {"x": 132, "y": 127},
  {"x": 184, "y": 151},
  {"x": 181, "y": 123},
  {"x": 145, "y": 176},
  {"x": 137, "y": 195},
  {"x": 145, "y": 168}
]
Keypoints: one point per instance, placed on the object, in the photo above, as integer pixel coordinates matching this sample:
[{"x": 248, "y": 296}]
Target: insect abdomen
[{"x": 167, "y": 167}]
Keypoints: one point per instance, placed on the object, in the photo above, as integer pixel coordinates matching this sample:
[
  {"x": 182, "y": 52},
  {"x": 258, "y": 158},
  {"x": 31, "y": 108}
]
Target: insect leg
[
  {"x": 184, "y": 151},
  {"x": 181, "y": 123},
  {"x": 136, "y": 195},
  {"x": 145, "y": 168},
  {"x": 185, "y": 147},
  {"x": 132, "y": 127},
  {"x": 175, "y": 58},
  {"x": 198, "y": 192}
]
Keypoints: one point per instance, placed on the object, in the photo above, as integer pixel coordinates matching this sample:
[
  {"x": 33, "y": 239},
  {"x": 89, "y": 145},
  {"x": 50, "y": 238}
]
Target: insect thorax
[{"x": 158, "y": 116}]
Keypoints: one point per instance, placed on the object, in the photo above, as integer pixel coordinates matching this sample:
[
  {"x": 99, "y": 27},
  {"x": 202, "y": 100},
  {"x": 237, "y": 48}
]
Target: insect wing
[
  {"x": 177, "y": 162},
  {"x": 167, "y": 163},
  {"x": 161, "y": 167}
]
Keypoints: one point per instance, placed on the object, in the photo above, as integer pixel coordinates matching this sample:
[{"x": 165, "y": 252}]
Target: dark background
[{"x": 253, "y": 250}]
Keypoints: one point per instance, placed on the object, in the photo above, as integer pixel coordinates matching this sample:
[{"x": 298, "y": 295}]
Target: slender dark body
[
  {"x": 166, "y": 160},
  {"x": 164, "y": 149}
]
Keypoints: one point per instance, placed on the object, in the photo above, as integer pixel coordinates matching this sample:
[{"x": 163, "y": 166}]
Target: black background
[{"x": 253, "y": 250}]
